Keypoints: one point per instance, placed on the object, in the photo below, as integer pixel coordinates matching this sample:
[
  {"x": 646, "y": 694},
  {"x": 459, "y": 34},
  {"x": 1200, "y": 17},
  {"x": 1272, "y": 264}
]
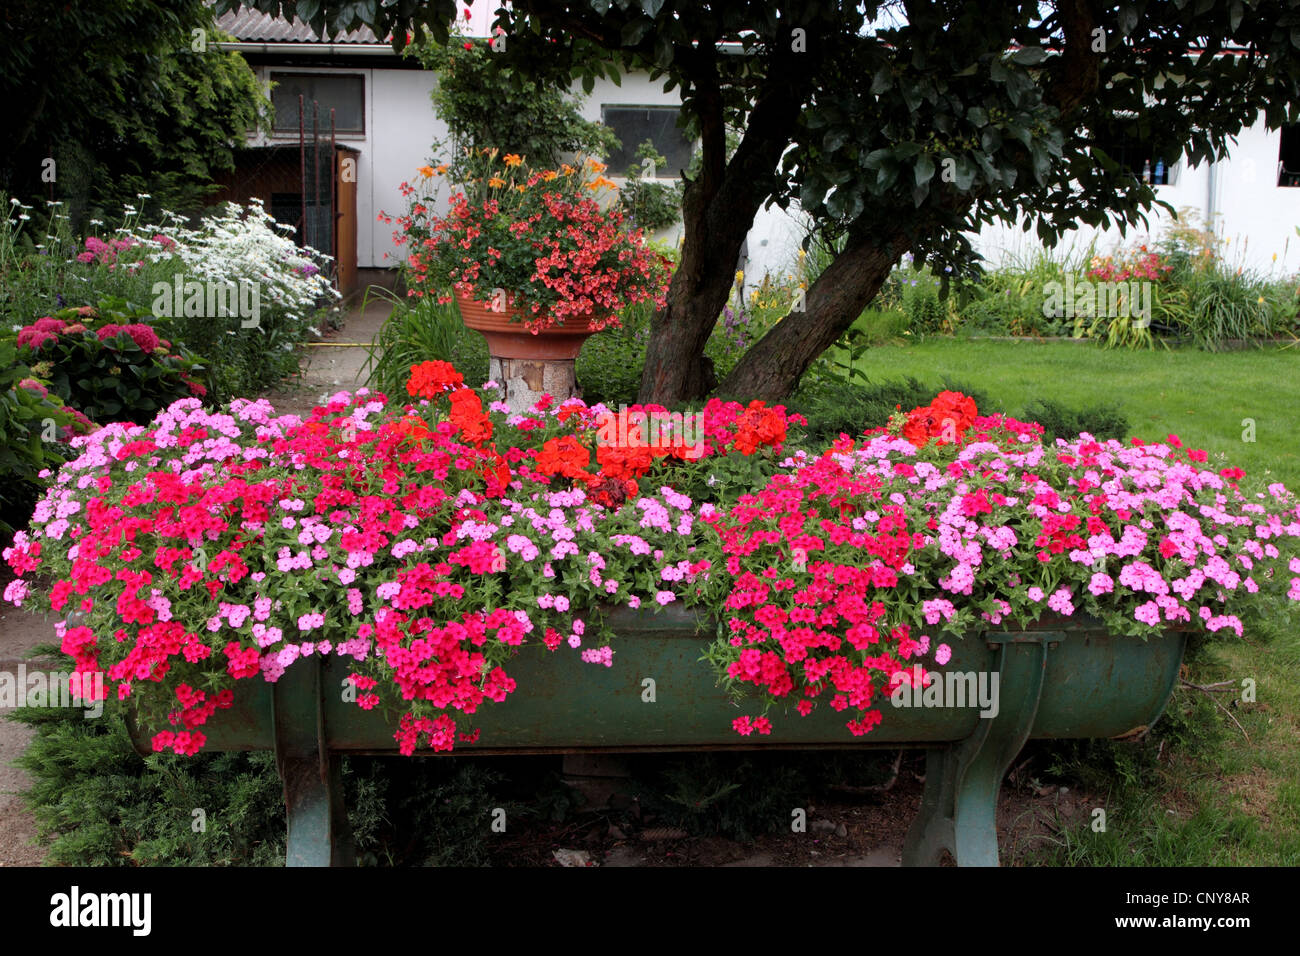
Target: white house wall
[
  {"x": 1257, "y": 217},
  {"x": 404, "y": 112},
  {"x": 400, "y": 129}
]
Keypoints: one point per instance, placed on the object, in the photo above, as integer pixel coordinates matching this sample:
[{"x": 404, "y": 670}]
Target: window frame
[
  {"x": 668, "y": 174},
  {"x": 1117, "y": 151},
  {"x": 1289, "y": 131},
  {"x": 274, "y": 75}
]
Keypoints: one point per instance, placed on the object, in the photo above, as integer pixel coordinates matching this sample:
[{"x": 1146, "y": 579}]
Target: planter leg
[
  {"x": 931, "y": 830},
  {"x": 319, "y": 834},
  {"x": 959, "y": 807}
]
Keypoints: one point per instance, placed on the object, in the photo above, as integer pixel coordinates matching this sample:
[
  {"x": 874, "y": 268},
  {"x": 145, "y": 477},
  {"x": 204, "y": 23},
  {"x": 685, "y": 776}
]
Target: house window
[
  {"x": 633, "y": 125},
  {"x": 1138, "y": 160},
  {"x": 344, "y": 94},
  {"x": 1288, "y": 157}
]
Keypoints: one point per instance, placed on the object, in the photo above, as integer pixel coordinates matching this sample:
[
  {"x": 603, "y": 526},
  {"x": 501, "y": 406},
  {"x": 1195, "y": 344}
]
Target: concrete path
[{"x": 335, "y": 362}]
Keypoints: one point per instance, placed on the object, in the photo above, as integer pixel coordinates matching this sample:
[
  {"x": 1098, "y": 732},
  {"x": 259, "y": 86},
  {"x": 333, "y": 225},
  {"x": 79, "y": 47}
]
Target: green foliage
[
  {"x": 881, "y": 326},
  {"x": 33, "y": 428},
  {"x": 732, "y": 795},
  {"x": 441, "y": 814},
  {"x": 113, "y": 378},
  {"x": 97, "y": 802},
  {"x": 610, "y": 363},
  {"x": 416, "y": 331},
  {"x": 1010, "y": 299},
  {"x": 1217, "y": 309},
  {"x": 919, "y": 295},
  {"x": 488, "y": 105},
  {"x": 142, "y": 111},
  {"x": 38, "y": 277},
  {"x": 1201, "y": 297},
  {"x": 38, "y": 267},
  {"x": 648, "y": 203},
  {"x": 102, "y": 804},
  {"x": 835, "y": 405},
  {"x": 1102, "y": 421}
]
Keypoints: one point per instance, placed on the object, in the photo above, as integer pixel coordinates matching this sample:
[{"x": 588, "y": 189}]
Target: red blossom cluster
[
  {"x": 728, "y": 427},
  {"x": 557, "y": 254},
  {"x": 944, "y": 421},
  {"x": 1141, "y": 265},
  {"x": 802, "y": 612}
]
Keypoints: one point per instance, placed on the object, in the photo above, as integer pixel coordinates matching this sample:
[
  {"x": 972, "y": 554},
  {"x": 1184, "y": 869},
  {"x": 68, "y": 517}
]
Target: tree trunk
[
  {"x": 676, "y": 368},
  {"x": 771, "y": 369},
  {"x": 718, "y": 209}
]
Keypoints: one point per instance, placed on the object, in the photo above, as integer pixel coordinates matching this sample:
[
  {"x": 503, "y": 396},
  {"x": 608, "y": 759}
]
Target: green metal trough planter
[{"x": 1061, "y": 678}]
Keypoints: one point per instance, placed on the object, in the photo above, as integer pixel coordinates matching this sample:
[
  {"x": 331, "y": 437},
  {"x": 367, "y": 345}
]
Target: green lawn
[
  {"x": 1214, "y": 796},
  {"x": 1202, "y": 397}
]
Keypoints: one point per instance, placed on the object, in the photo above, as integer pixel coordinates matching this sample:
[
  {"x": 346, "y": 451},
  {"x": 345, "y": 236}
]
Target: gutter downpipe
[{"x": 1209, "y": 197}]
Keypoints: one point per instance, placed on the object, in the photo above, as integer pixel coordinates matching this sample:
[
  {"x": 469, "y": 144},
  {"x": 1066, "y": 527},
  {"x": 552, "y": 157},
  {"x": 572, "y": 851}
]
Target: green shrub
[
  {"x": 918, "y": 294},
  {"x": 882, "y": 326},
  {"x": 733, "y": 795},
  {"x": 34, "y": 429},
  {"x": 1009, "y": 300},
  {"x": 239, "y": 244},
  {"x": 109, "y": 363},
  {"x": 99, "y": 803},
  {"x": 610, "y": 364},
  {"x": 1059, "y": 421},
  {"x": 649, "y": 203},
  {"x": 417, "y": 331},
  {"x": 840, "y": 400}
]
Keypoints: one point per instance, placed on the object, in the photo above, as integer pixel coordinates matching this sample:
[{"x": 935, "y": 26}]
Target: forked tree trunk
[
  {"x": 771, "y": 369},
  {"x": 676, "y": 368},
  {"x": 718, "y": 209}
]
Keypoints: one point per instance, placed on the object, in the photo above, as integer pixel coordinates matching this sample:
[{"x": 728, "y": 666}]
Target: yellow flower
[
  {"x": 1275, "y": 257},
  {"x": 513, "y": 159},
  {"x": 1261, "y": 300},
  {"x": 740, "y": 276},
  {"x": 425, "y": 171},
  {"x": 803, "y": 253},
  {"x": 496, "y": 182}
]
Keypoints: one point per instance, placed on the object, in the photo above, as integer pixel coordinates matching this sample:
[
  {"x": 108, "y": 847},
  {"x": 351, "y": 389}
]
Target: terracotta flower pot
[{"x": 507, "y": 338}]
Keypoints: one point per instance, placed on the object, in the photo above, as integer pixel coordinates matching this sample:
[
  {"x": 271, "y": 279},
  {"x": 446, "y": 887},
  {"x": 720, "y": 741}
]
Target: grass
[
  {"x": 1202, "y": 397},
  {"x": 1230, "y": 797}
]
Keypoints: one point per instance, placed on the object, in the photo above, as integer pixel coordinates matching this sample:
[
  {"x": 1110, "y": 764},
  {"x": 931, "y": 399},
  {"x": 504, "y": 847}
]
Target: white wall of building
[
  {"x": 1247, "y": 208},
  {"x": 405, "y": 120}
]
